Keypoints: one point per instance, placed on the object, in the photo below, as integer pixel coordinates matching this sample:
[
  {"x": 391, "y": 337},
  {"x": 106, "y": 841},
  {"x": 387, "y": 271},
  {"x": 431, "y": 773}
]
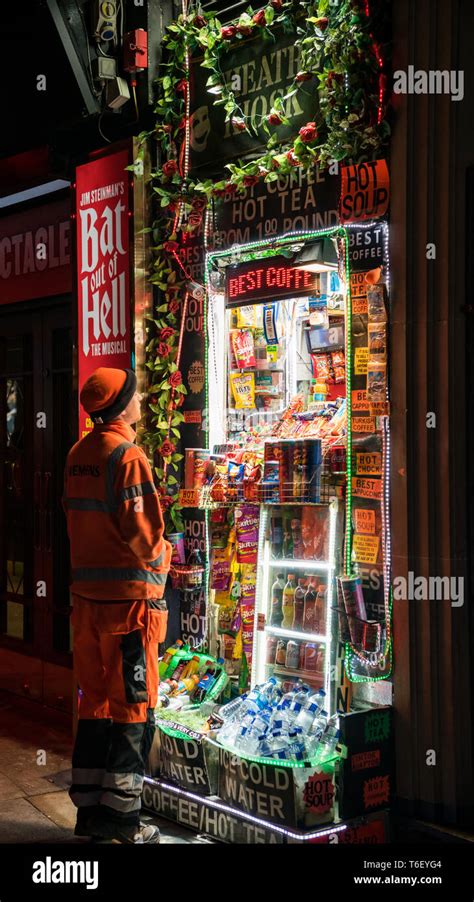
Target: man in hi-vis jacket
[{"x": 119, "y": 562}]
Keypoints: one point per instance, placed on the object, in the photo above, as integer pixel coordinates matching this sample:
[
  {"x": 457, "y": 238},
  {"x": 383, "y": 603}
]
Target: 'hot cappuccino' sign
[{"x": 102, "y": 211}]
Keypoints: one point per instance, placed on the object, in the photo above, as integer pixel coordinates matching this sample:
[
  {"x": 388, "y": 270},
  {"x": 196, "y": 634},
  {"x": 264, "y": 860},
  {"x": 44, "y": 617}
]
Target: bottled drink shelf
[{"x": 296, "y": 634}]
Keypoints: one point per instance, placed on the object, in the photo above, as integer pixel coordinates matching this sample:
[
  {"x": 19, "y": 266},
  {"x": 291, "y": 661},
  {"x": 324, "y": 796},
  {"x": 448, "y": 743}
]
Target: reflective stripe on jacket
[{"x": 114, "y": 518}]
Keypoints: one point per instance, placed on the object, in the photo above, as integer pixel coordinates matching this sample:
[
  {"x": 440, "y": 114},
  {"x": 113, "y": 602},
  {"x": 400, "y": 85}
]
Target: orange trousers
[{"x": 115, "y": 651}]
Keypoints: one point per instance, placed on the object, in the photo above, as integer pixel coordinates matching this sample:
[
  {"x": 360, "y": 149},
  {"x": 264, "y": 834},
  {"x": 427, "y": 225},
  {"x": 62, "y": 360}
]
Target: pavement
[{"x": 35, "y": 775}]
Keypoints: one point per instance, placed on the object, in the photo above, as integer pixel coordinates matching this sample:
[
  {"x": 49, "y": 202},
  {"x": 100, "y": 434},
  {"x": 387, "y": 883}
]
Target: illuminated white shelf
[
  {"x": 296, "y": 634},
  {"x": 300, "y": 565}
]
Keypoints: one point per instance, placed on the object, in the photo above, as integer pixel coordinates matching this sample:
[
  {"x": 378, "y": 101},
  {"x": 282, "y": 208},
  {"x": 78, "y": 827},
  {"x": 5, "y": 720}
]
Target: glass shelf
[
  {"x": 296, "y": 634},
  {"x": 299, "y": 565}
]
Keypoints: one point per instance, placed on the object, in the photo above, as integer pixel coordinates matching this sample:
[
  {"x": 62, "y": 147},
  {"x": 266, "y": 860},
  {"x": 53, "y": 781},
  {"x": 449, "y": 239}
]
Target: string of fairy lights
[{"x": 273, "y": 246}]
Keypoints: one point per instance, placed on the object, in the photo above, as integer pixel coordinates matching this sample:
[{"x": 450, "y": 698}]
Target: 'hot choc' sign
[{"x": 102, "y": 219}]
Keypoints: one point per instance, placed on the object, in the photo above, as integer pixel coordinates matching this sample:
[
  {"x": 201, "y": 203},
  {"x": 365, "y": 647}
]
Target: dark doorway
[{"x": 36, "y": 432}]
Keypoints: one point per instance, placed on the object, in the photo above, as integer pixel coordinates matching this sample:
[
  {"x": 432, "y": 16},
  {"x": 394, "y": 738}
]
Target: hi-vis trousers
[{"x": 116, "y": 667}]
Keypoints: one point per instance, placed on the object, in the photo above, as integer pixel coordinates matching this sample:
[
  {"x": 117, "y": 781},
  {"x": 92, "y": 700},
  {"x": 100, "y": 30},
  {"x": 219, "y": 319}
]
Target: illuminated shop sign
[{"x": 267, "y": 279}]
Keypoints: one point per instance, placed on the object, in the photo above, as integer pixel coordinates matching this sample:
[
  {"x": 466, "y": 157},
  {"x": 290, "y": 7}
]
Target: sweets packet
[
  {"x": 243, "y": 390},
  {"x": 220, "y": 572},
  {"x": 246, "y": 524},
  {"x": 246, "y": 317},
  {"x": 244, "y": 350}
]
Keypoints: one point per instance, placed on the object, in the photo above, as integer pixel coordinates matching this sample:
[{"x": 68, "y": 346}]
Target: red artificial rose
[
  {"x": 199, "y": 203},
  {"x": 303, "y": 76},
  {"x": 238, "y": 124},
  {"x": 228, "y": 32},
  {"x": 166, "y": 500},
  {"x": 199, "y": 22},
  {"x": 163, "y": 349},
  {"x": 170, "y": 169},
  {"x": 308, "y": 133},
  {"x": 153, "y": 399},
  {"x": 194, "y": 220},
  {"x": 244, "y": 29},
  {"x": 259, "y": 18},
  {"x": 230, "y": 188},
  {"x": 181, "y": 125},
  {"x": 250, "y": 180},
  {"x": 322, "y": 23},
  {"x": 218, "y": 192},
  {"x": 181, "y": 86},
  {"x": 277, "y": 4},
  {"x": 173, "y": 306},
  {"x": 171, "y": 247},
  {"x": 167, "y": 448},
  {"x": 168, "y": 129},
  {"x": 275, "y": 163},
  {"x": 292, "y": 159},
  {"x": 175, "y": 379},
  {"x": 274, "y": 119},
  {"x": 166, "y": 333}
]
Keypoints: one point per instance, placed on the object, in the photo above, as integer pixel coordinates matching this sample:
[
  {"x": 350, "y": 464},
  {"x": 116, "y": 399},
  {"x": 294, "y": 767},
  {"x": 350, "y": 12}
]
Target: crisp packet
[
  {"x": 243, "y": 390},
  {"x": 321, "y": 367},
  {"x": 246, "y": 523},
  {"x": 244, "y": 349}
]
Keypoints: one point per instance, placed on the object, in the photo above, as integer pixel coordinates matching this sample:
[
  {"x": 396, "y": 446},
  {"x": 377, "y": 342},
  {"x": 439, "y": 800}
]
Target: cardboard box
[
  {"x": 183, "y": 757},
  {"x": 365, "y": 778},
  {"x": 301, "y": 797}
]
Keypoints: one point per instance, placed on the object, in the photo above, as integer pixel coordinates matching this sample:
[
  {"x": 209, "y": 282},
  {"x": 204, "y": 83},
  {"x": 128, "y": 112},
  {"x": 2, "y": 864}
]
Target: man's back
[{"x": 114, "y": 519}]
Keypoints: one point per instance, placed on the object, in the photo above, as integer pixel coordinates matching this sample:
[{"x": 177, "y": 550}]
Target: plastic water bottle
[
  {"x": 328, "y": 742},
  {"x": 306, "y": 716}
]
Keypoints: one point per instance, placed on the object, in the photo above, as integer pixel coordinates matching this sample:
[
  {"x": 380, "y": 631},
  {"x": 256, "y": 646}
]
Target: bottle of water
[
  {"x": 306, "y": 716},
  {"x": 327, "y": 744}
]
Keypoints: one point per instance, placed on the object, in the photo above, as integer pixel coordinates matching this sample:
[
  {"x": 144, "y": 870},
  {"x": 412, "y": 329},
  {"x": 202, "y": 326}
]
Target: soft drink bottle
[
  {"x": 168, "y": 656},
  {"x": 328, "y": 742},
  {"x": 187, "y": 685},
  {"x": 309, "y": 608},
  {"x": 298, "y": 615},
  {"x": 276, "y": 615},
  {"x": 191, "y": 667},
  {"x": 320, "y": 612},
  {"x": 288, "y": 603},
  {"x": 287, "y": 538},
  {"x": 276, "y": 537},
  {"x": 297, "y": 539}
]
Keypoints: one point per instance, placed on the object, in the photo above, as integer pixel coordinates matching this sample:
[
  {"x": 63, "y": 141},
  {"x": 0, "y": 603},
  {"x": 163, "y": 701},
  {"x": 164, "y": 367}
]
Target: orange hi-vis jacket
[{"x": 114, "y": 518}]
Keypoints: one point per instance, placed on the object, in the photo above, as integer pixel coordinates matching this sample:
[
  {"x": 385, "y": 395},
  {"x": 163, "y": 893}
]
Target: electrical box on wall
[
  {"x": 135, "y": 50},
  {"x": 105, "y": 20}
]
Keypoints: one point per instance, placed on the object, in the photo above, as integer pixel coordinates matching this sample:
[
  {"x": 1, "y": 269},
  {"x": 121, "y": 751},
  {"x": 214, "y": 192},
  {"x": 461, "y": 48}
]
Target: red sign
[
  {"x": 35, "y": 253},
  {"x": 364, "y": 760},
  {"x": 262, "y": 279},
  {"x": 365, "y": 191},
  {"x": 102, "y": 268}
]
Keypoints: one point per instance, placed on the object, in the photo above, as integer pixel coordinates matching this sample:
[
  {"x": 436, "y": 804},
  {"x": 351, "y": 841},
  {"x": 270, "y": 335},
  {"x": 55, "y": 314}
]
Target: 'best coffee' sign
[
  {"x": 103, "y": 297},
  {"x": 267, "y": 279}
]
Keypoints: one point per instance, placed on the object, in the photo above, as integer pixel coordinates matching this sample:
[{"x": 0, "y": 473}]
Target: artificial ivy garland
[{"x": 338, "y": 50}]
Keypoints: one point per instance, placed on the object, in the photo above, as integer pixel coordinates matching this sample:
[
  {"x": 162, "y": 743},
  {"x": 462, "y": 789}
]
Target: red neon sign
[{"x": 267, "y": 279}]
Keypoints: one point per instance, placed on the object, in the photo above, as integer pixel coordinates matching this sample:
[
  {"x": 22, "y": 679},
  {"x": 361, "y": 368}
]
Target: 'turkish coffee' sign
[{"x": 271, "y": 279}]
